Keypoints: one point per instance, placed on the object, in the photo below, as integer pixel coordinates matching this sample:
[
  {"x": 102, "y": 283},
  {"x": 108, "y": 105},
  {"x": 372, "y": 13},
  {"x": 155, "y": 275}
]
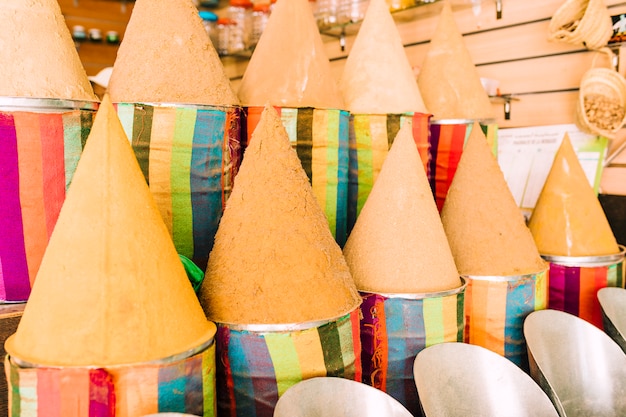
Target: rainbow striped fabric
[
  {"x": 255, "y": 368},
  {"x": 183, "y": 386},
  {"x": 371, "y": 136},
  {"x": 320, "y": 137},
  {"x": 574, "y": 289},
  {"x": 394, "y": 330},
  {"x": 446, "y": 146},
  {"x": 495, "y": 309},
  {"x": 189, "y": 156},
  {"x": 38, "y": 156}
]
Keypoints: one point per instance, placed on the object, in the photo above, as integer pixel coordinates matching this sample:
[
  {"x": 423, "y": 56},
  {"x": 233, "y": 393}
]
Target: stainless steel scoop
[{"x": 613, "y": 303}]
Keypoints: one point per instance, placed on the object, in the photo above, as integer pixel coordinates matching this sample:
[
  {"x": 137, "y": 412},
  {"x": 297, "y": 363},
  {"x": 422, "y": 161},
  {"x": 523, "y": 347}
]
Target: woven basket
[
  {"x": 585, "y": 22},
  {"x": 605, "y": 90}
]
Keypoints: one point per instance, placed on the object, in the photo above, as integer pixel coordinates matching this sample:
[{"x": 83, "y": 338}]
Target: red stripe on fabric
[
  {"x": 356, "y": 341},
  {"x": 441, "y": 165},
  {"x": 421, "y": 136},
  {"x": 49, "y": 392},
  {"x": 587, "y": 296},
  {"x": 101, "y": 394},
  {"x": 456, "y": 149},
  {"x": 223, "y": 363},
  {"x": 53, "y": 156}
]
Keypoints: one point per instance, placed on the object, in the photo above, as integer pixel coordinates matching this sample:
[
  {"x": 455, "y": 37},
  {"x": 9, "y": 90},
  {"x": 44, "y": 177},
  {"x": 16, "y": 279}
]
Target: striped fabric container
[
  {"x": 256, "y": 364},
  {"x": 396, "y": 327},
  {"x": 495, "y": 309},
  {"x": 189, "y": 155},
  {"x": 371, "y": 136},
  {"x": 447, "y": 139},
  {"x": 574, "y": 282},
  {"x": 183, "y": 384},
  {"x": 320, "y": 137},
  {"x": 41, "y": 141}
]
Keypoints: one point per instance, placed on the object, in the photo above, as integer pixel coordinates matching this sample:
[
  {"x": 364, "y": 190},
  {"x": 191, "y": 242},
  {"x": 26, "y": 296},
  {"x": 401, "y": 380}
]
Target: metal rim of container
[
  {"x": 183, "y": 105},
  {"x": 423, "y": 295},
  {"x": 25, "y": 103},
  {"x": 461, "y": 121},
  {"x": 286, "y": 327},
  {"x": 506, "y": 278},
  {"x": 587, "y": 261},
  {"x": 163, "y": 361}
]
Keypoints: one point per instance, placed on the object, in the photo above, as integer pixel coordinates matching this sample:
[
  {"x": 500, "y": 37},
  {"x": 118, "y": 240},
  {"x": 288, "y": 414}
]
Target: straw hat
[
  {"x": 377, "y": 77},
  {"x": 274, "y": 260},
  {"x": 111, "y": 289},
  {"x": 166, "y": 56},
  {"x": 568, "y": 219},
  {"x": 289, "y": 66},
  {"x": 38, "y": 55}
]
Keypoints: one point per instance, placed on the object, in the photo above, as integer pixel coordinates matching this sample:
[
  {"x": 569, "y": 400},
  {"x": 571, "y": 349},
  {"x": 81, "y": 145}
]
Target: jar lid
[{"x": 206, "y": 15}]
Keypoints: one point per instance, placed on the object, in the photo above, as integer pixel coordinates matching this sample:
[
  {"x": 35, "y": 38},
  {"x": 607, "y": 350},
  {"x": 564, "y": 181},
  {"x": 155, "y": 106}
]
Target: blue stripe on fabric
[
  {"x": 206, "y": 178},
  {"x": 396, "y": 347},
  {"x": 520, "y": 301},
  {"x": 171, "y": 390},
  {"x": 240, "y": 370},
  {"x": 194, "y": 393},
  {"x": 415, "y": 339},
  {"x": 261, "y": 372},
  {"x": 343, "y": 162},
  {"x": 353, "y": 176}
]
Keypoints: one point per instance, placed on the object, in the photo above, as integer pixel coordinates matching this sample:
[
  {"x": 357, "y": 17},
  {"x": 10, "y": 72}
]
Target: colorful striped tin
[
  {"x": 183, "y": 383},
  {"x": 574, "y": 282},
  {"x": 371, "y": 136},
  {"x": 495, "y": 309},
  {"x": 189, "y": 155},
  {"x": 396, "y": 327},
  {"x": 320, "y": 137},
  {"x": 41, "y": 141},
  {"x": 256, "y": 364},
  {"x": 447, "y": 139}
]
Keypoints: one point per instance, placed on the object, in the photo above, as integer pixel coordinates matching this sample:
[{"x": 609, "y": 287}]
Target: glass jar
[
  {"x": 240, "y": 13},
  {"x": 224, "y": 25},
  {"x": 260, "y": 16},
  {"x": 209, "y": 21}
]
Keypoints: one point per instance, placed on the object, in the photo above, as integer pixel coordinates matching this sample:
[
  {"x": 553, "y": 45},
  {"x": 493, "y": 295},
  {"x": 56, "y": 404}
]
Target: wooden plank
[
  {"x": 100, "y": 10},
  {"x": 539, "y": 110},
  {"x": 10, "y": 315},
  {"x": 614, "y": 181}
]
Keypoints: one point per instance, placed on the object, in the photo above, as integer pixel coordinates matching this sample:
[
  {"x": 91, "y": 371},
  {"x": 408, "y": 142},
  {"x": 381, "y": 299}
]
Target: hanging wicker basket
[
  {"x": 585, "y": 22},
  {"x": 601, "y": 107}
]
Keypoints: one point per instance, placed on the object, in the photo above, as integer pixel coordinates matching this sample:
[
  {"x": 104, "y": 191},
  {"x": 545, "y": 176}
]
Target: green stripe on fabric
[
  {"x": 304, "y": 145},
  {"x": 126, "y": 113},
  {"x": 393, "y": 127},
  {"x": 344, "y": 329},
  {"x": 142, "y": 130},
  {"x": 208, "y": 382},
  {"x": 364, "y": 161},
  {"x": 86, "y": 121},
  {"x": 285, "y": 360},
  {"x": 331, "y": 347},
  {"x": 72, "y": 141},
  {"x": 332, "y": 163},
  {"x": 180, "y": 180},
  {"x": 460, "y": 314},
  {"x": 434, "y": 327},
  {"x": 14, "y": 386}
]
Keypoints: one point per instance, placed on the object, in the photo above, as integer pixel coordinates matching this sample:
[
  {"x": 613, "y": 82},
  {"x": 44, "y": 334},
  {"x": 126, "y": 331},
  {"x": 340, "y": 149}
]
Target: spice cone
[
  {"x": 274, "y": 260},
  {"x": 166, "y": 56},
  {"x": 289, "y": 66},
  {"x": 568, "y": 219},
  {"x": 398, "y": 244},
  {"x": 38, "y": 55},
  {"x": 485, "y": 228},
  {"x": 448, "y": 79},
  {"x": 111, "y": 289},
  {"x": 377, "y": 77}
]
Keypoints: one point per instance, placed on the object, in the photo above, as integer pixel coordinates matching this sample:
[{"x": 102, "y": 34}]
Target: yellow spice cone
[
  {"x": 37, "y": 53},
  {"x": 377, "y": 77},
  {"x": 568, "y": 219},
  {"x": 274, "y": 260},
  {"x": 398, "y": 244},
  {"x": 485, "y": 228},
  {"x": 111, "y": 288},
  {"x": 448, "y": 80},
  {"x": 289, "y": 66},
  {"x": 166, "y": 56}
]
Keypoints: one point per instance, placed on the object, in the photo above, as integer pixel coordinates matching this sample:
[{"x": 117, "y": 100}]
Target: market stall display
[
  {"x": 289, "y": 69},
  {"x": 573, "y": 234},
  {"x": 402, "y": 265},
  {"x": 494, "y": 251},
  {"x": 453, "y": 93},
  {"x": 46, "y": 111},
  {"x": 183, "y": 119},
  {"x": 277, "y": 284},
  {"x": 379, "y": 89},
  {"x": 112, "y": 311}
]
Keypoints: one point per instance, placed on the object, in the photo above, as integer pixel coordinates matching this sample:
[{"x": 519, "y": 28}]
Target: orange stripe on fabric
[
  {"x": 253, "y": 116},
  {"x": 160, "y": 161},
  {"x": 31, "y": 189},
  {"x": 75, "y": 392},
  {"x": 49, "y": 392},
  {"x": 476, "y": 312},
  {"x": 601, "y": 281},
  {"x": 421, "y": 132},
  {"x": 449, "y": 319},
  {"x": 446, "y": 134},
  {"x": 136, "y": 391},
  {"x": 310, "y": 355},
  {"x": 53, "y": 154},
  {"x": 496, "y": 319},
  {"x": 587, "y": 294},
  {"x": 379, "y": 143}
]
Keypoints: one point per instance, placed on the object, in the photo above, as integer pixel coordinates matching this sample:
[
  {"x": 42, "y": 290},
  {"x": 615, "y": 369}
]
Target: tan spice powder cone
[
  {"x": 111, "y": 289},
  {"x": 568, "y": 219},
  {"x": 289, "y": 66},
  {"x": 398, "y": 244},
  {"x": 485, "y": 228},
  {"x": 166, "y": 56},
  {"x": 448, "y": 79},
  {"x": 38, "y": 55},
  {"x": 377, "y": 77},
  {"x": 274, "y": 260}
]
